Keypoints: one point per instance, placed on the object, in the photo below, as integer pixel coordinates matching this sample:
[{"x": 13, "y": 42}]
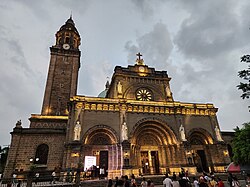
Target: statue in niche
[
  {"x": 168, "y": 92},
  {"x": 182, "y": 133},
  {"x": 124, "y": 131},
  {"x": 119, "y": 88},
  {"x": 218, "y": 135},
  {"x": 77, "y": 131}
]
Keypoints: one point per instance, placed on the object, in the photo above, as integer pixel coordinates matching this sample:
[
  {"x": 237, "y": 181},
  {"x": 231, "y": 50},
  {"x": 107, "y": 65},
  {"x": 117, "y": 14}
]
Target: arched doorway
[
  {"x": 198, "y": 139},
  {"x": 150, "y": 137},
  {"x": 99, "y": 142}
]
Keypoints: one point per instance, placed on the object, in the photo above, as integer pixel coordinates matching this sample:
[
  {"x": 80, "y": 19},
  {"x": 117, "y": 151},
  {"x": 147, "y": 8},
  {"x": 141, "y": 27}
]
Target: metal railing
[{"x": 62, "y": 178}]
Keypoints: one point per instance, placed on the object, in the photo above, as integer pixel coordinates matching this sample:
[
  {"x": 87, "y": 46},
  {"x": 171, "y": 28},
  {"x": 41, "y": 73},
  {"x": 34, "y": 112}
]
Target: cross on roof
[{"x": 139, "y": 56}]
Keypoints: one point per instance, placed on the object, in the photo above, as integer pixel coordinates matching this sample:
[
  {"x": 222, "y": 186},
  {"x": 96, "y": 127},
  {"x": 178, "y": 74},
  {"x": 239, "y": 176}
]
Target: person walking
[{"x": 167, "y": 181}]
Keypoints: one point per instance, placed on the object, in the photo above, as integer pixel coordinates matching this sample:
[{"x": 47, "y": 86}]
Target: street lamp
[{"x": 31, "y": 169}]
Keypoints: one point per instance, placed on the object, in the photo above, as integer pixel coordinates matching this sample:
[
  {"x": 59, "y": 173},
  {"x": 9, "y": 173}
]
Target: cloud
[
  {"x": 213, "y": 28},
  {"x": 18, "y": 84},
  {"x": 94, "y": 78},
  {"x": 155, "y": 46}
]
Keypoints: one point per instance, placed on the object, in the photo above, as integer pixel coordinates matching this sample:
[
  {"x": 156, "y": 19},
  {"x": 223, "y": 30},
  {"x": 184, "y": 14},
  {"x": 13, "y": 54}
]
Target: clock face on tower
[
  {"x": 66, "y": 46},
  {"x": 143, "y": 94}
]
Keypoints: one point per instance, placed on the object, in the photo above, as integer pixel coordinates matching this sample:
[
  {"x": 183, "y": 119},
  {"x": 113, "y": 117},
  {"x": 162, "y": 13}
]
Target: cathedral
[{"x": 133, "y": 126}]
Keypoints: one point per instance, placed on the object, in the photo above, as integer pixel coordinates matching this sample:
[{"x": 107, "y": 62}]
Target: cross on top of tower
[
  {"x": 139, "y": 60},
  {"x": 139, "y": 55}
]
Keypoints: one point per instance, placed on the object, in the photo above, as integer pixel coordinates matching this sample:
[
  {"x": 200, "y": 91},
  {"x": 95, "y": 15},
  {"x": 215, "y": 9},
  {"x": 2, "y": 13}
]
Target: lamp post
[{"x": 31, "y": 171}]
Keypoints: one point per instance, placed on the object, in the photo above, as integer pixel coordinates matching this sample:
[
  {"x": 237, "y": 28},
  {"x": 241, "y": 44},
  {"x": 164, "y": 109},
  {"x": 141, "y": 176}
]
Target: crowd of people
[
  {"x": 124, "y": 181},
  {"x": 204, "y": 180},
  {"x": 178, "y": 180}
]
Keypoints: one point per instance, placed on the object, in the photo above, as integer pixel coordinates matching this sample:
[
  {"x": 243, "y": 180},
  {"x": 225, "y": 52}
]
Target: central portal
[
  {"x": 150, "y": 162},
  {"x": 103, "y": 162}
]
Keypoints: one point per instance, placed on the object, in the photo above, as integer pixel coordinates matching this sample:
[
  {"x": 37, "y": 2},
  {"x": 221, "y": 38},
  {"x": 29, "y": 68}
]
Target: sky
[{"x": 199, "y": 43}]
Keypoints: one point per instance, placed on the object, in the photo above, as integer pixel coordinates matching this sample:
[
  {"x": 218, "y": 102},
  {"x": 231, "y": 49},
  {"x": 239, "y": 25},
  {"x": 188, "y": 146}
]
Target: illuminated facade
[{"x": 133, "y": 126}]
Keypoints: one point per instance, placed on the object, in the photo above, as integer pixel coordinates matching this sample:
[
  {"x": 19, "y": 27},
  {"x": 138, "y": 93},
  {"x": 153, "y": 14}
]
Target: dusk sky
[{"x": 199, "y": 43}]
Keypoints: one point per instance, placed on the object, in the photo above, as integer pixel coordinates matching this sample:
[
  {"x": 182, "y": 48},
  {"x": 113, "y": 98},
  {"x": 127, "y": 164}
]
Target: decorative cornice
[
  {"x": 38, "y": 131},
  {"x": 38, "y": 116},
  {"x": 107, "y": 104}
]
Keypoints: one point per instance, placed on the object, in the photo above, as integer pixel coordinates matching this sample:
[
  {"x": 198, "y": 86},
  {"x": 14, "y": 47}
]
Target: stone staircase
[{"x": 156, "y": 179}]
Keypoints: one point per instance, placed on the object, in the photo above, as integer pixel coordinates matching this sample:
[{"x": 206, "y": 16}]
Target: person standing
[
  {"x": 183, "y": 180},
  {"x": 175, "y": 182},
  {"x": 150, "y": 183},
  {"x": 174, "y": 175},
  {"x": 102, "y": 172},
  {"x": 220, "y": 183},
  {"x": 202, "y": 182},
  {"x": 248, "y": 180},
  {"x": 14, "y": 180},
  {"x": 167, "y": 181},
  {"x": 230, "y": 179},
  {"x": 126, "y": 182},
  {"x": 133, "y": 181},
  {"x": 144, "y": 182},
  {"x": 19, "y": 183},
  {"x": 110, "y": 183},
  {"x": 213, "y": 183},
  {"x": 195, "y": 182},
  {"x": 235, "y": 182},
  {"x": 53, "y": 177},
  {"x": 36, "y": 177}
]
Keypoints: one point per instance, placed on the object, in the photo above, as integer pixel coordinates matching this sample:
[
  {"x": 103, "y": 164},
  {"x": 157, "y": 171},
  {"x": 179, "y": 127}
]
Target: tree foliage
[
  {"x": 3, "y": 157},
  {"x": 241, "y": 145},
  {"x": 245, "y": 75}
]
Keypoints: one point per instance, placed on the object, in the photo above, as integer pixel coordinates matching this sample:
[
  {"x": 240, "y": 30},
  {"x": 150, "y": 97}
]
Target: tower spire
[{"x": 70, "y": 15}]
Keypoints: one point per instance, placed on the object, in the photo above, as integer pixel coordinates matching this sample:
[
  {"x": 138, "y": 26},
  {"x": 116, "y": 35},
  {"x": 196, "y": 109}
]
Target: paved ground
[{"x": 242, "y": 182}]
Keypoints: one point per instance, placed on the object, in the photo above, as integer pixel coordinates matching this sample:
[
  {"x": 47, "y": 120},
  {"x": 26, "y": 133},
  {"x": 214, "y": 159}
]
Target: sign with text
[{"x": 89, "y": 161}]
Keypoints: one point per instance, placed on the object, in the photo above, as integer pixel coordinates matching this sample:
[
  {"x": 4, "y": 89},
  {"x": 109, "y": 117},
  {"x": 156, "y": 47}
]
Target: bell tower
[{"x": 63, "y": 70}]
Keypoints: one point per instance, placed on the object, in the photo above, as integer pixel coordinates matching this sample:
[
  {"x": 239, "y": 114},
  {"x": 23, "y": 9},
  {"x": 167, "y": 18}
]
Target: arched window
[
  {"x": 67, "y": 40},
  {"x": 42, "y": 152},
  {"x": 230, "y": 150}
]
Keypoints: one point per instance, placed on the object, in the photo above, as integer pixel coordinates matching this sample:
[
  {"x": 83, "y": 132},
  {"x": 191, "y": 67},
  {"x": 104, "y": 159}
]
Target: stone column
[
  {"x": 150, "y": 162},
  {"x": 170, "y": 155},
  {"x": 163, "y": 156}
]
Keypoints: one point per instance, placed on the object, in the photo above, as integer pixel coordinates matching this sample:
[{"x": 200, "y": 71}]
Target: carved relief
[
  {"x": 79, "y": 105},
  {"x": 176, "y": 108}
]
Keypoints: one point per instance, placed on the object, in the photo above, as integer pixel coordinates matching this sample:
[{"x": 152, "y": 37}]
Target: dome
[
  {"x": 103, "y": 93},
  {"x": 70, "y": 26}
]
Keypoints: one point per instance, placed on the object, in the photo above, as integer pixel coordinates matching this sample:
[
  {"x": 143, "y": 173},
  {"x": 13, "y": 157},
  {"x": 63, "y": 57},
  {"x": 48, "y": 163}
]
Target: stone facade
[{"x": 135, "y": 127}]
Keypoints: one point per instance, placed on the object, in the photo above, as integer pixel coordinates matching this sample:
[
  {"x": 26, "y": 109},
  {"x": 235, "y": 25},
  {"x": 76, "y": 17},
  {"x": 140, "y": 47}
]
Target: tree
[
  {"x": 3, "y": 157},
  {"x": 241, "y": 145},
  {"x": 245, "y": 75}
]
